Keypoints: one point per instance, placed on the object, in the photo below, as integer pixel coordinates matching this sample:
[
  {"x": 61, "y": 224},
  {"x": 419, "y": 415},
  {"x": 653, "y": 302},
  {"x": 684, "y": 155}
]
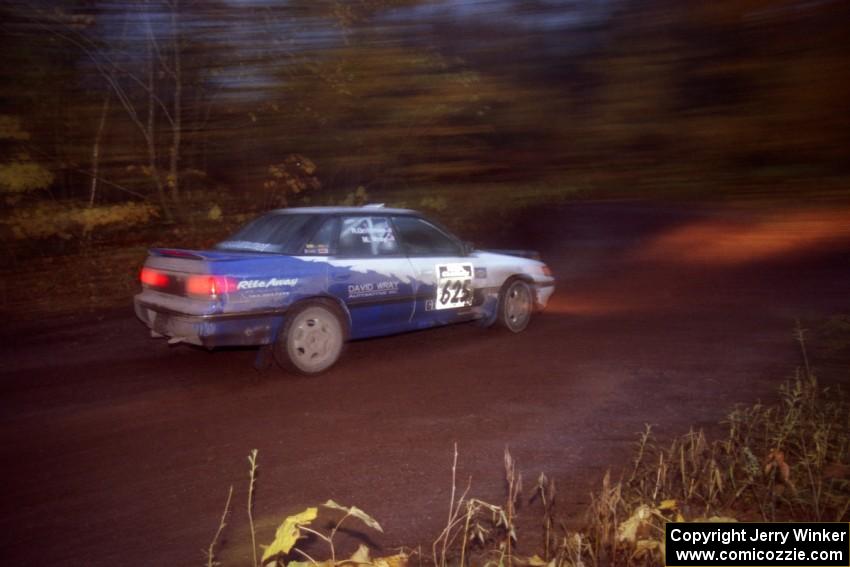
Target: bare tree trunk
[
  {"x": 205, "y": 131},
  {"x": 176, "y": 127},
  {"x": 151, "y": 137},
  {"x": 112, "y": 73},
  {"x": 95, "y": 152}
]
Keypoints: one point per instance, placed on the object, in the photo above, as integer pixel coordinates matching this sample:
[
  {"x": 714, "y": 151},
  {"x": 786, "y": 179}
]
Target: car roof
[{"x": 366, "y": 209}]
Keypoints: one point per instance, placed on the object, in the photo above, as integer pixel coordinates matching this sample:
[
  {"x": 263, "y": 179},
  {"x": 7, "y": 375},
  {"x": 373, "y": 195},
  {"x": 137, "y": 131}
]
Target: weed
[
  {"x": 210, "y": 552},
  {"x": 513, "y": 479},
  {"x": 780, "y": 462},
  {"x": 252, "y": 473},
  {"x": 545, "y": 491},
  {"x": 294, "y": 527},
  {"x": 474, "y": 522}
]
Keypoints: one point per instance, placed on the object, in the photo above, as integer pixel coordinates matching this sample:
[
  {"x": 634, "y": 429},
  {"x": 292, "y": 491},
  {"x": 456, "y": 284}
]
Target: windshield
[{"x": 274, "y": 233}]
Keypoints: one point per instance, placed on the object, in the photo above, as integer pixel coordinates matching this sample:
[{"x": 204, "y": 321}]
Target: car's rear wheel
[
  {"x": 516, "y": 304},
  {"x": 311, "y": 340}
]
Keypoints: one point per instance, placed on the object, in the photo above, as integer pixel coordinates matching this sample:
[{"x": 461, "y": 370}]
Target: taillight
[
  {"x": 153, "y": 278},
  {"x": 209, "y": 286}
]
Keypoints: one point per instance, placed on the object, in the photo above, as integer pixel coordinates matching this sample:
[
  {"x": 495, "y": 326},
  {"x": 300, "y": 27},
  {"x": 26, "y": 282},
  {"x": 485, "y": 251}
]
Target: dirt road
[{"x": 119, "y": 450}]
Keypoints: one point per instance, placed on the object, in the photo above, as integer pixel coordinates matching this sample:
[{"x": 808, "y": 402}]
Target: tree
[{"x": 144, "y": 73}]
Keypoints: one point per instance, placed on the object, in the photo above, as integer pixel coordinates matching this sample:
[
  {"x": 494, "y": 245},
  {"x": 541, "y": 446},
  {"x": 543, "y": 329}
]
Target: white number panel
[{"x": 454, "y": 286}]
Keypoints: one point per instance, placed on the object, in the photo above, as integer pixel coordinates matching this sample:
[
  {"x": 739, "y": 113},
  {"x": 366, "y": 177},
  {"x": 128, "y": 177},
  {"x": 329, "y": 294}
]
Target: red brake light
[
  {"x": 210, "y": 286},
  {"x": 153, "y": 278},
  {"x": 222, "y": 284}
]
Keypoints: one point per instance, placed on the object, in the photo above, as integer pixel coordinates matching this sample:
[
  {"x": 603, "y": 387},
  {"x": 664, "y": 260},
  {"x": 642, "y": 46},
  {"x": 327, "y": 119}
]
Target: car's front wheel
[
  {"x": 516, "y": 304},
  {"x": 311, "y": 340}
]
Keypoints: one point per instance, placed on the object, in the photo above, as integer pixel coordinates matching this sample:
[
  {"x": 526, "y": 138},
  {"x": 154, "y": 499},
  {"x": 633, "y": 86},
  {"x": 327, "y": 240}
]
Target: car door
[
  {"x": 371, "y": 274},
  {"x": 445, "y": 276}
]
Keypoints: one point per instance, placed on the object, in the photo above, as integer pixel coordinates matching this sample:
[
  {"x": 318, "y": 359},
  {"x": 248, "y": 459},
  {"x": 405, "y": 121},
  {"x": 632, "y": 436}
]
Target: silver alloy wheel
[
  {"x": 517, "y": 306},
  {"x": 314, "y": 339}
]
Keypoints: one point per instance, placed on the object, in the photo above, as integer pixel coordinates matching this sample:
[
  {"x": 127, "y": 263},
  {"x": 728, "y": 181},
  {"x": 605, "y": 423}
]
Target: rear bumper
[{"x": 210, "y": 331}]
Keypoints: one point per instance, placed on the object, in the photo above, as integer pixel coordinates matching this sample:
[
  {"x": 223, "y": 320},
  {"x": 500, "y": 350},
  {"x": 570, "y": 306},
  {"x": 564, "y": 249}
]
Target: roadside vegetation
[
  {"x": 787, "y": 460},
  {"x": 784, "y": 461}
]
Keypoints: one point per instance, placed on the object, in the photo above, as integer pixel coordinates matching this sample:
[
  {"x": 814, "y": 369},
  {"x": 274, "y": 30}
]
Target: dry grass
[{"x": 787, "y": 461}]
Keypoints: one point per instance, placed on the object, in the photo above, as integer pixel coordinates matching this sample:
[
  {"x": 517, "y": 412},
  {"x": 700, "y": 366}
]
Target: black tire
[
  {"x": 312, "y": 338},
  {"x": 516, "y": 305}
]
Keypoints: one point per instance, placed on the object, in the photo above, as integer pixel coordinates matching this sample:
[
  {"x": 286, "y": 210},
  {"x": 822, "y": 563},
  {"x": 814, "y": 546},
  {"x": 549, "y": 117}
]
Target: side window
[
  {"x": 322, "y": 242},
  {"x": 422, "y": 238},
  {"x": 367, "y": 236}
]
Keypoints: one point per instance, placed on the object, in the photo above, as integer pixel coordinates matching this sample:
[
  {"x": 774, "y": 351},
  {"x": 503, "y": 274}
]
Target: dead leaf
[
  {"x": 288, "y": 533},
  {"x": 628, "y": 530},
  {"x": 775, "y": 465},
  {"x": 357, "y": 513}
]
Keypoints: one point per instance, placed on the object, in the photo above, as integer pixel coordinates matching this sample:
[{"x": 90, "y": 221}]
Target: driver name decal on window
[
  {"x": 367, "y": 236},
  {"x": 454, "y": 286}
]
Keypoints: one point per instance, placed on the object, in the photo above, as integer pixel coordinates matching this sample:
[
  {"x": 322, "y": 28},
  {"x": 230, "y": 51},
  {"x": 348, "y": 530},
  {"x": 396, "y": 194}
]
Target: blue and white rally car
[{"x": 305, "y": 280}]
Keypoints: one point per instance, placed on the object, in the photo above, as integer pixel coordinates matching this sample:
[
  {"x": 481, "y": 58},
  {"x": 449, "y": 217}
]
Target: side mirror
[{"x": 468, "y": 248}]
